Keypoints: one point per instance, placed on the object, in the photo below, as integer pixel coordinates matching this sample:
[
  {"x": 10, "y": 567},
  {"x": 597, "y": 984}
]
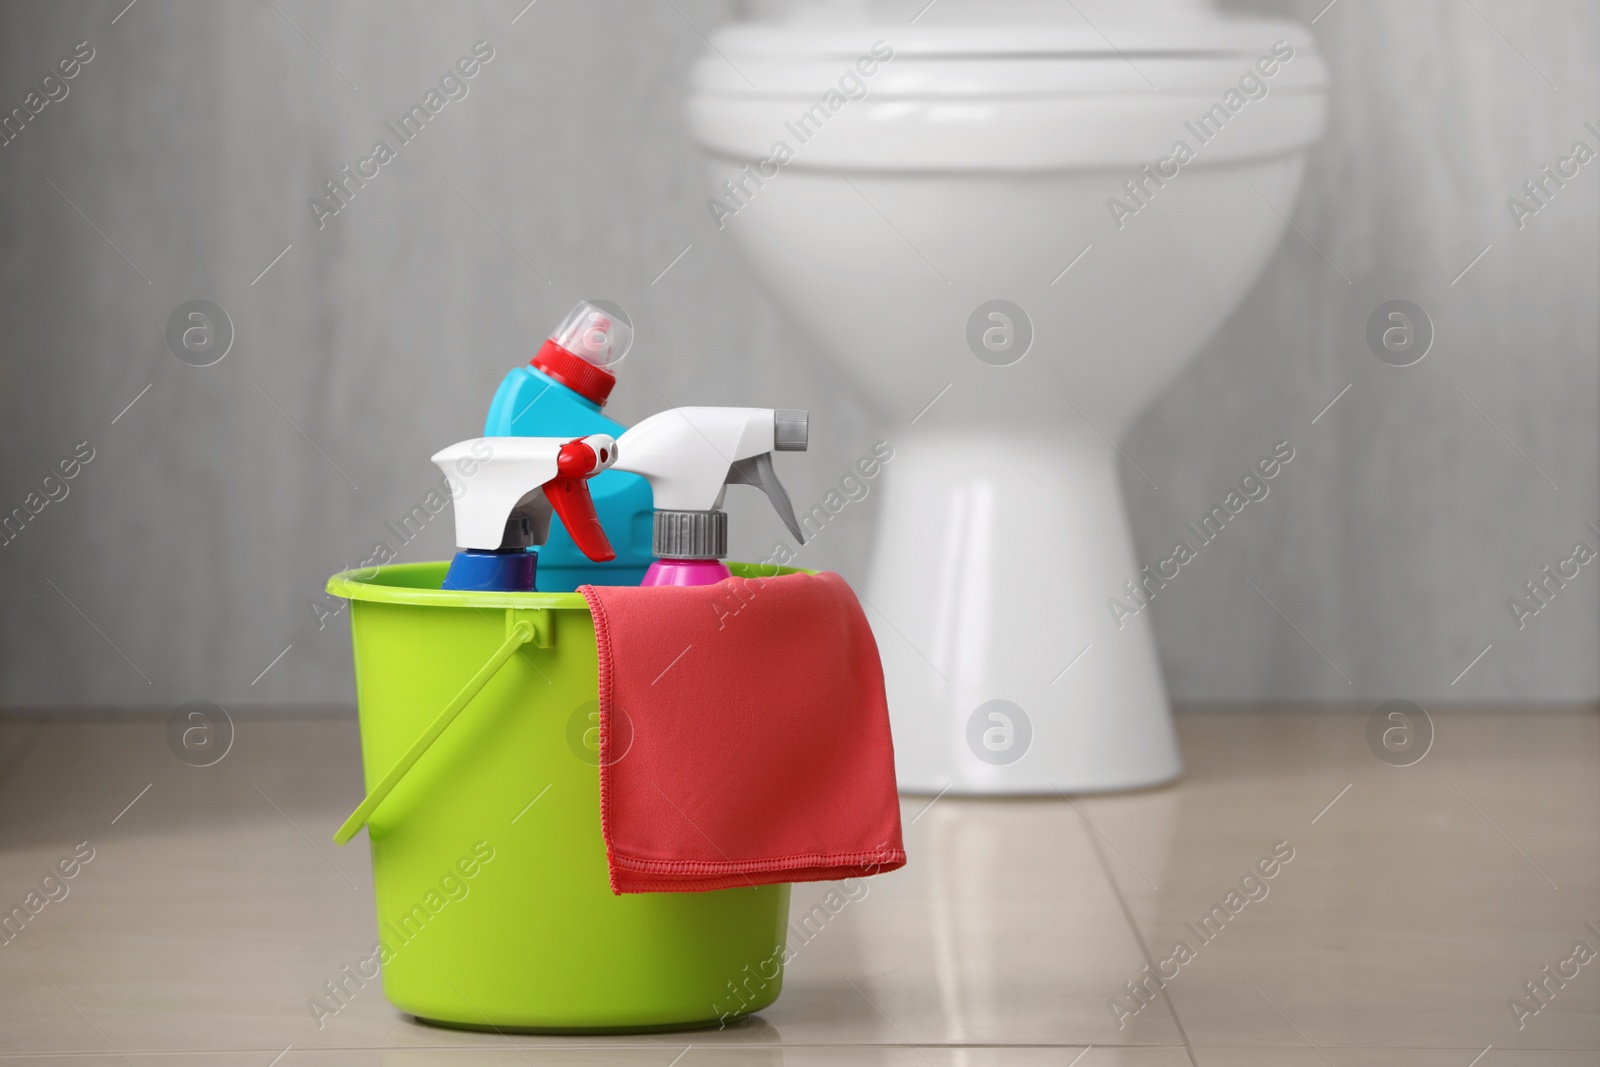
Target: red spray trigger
[{"x": 568, "y": 492}]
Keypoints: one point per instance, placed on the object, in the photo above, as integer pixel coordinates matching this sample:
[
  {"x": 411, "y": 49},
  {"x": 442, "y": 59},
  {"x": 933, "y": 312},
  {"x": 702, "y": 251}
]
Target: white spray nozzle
[
  {"x": 521, "y": 478},
  {"x": 689, "y": 454}
]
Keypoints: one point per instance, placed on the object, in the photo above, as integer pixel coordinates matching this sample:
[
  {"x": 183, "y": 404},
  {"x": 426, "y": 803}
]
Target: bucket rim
[{"x": 418, "y": 584}]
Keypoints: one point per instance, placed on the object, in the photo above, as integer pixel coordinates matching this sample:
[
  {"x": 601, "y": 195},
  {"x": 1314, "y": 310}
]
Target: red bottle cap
[{"x": 575, "y": 372}]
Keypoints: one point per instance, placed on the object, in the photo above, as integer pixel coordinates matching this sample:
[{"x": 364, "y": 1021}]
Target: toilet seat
[
  {"x": 990, "y": 76},
  {"x": 1014, "y": 97},
  {"x": 1205, "y": 35}
]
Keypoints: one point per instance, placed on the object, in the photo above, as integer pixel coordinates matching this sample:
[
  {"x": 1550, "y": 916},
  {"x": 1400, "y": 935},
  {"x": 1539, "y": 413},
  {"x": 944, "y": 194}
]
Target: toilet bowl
[{"x": 985, "y": 218}]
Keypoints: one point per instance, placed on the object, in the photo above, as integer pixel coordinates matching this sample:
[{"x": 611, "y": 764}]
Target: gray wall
[
  {"x": 1406, "y": 521},
  {"x": 188, "y": 551}
]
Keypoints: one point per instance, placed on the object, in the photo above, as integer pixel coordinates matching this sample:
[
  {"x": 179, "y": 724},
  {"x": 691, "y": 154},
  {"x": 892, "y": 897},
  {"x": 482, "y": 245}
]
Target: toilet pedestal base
[{"x": 1007, "y": 673}]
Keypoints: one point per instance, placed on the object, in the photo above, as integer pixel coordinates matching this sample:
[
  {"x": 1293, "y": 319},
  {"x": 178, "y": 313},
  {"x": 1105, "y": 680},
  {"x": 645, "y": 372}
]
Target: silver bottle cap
[{"x": 690, "y": 535}]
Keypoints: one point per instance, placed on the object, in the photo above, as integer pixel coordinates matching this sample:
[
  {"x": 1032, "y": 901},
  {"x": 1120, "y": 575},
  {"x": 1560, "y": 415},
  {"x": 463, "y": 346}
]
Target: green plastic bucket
[{"x": 494, "y": 907}]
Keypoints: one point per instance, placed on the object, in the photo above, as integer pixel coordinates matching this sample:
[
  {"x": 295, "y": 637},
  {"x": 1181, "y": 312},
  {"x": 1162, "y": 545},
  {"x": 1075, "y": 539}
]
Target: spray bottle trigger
[
  {"x": 568, "y": 492},
  {"x": 757, "y": 471},
  {"x": 571, "y": 500}
]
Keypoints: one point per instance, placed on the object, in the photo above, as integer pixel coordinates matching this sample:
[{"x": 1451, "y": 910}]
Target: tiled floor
[{"x": 1397, "y": 925}]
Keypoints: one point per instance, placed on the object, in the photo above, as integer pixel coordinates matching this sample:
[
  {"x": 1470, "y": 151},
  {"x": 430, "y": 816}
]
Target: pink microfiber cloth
[{"x": 744, "y": 735}]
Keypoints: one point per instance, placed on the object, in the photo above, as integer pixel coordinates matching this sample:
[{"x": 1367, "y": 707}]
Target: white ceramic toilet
[{"x": 985, "y": 161}]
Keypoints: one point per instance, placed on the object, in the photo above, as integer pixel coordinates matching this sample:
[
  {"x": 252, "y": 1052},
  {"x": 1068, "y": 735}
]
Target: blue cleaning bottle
[{"x": 560, "y": 394}]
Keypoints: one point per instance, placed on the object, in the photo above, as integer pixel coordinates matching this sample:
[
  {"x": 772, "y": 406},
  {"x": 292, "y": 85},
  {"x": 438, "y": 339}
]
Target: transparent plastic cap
[{"x": 594, "y": 335}]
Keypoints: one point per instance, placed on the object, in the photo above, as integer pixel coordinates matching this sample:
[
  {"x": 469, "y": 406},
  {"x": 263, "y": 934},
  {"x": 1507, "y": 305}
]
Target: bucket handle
[{"x": 521, "y": 633}]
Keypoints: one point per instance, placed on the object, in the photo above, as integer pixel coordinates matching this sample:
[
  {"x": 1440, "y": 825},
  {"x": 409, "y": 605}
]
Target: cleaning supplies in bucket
[
  {"x": 610, "y": 908},
  {"x": 560, "y": 393},
  {"x": 689, "y": 456}
]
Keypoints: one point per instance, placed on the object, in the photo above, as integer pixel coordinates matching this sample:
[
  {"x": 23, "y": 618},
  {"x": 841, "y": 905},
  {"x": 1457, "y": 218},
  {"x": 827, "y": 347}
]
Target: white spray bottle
[
  {"x": 690, "y": 456},
  {"x": 511, "y": 485}
]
